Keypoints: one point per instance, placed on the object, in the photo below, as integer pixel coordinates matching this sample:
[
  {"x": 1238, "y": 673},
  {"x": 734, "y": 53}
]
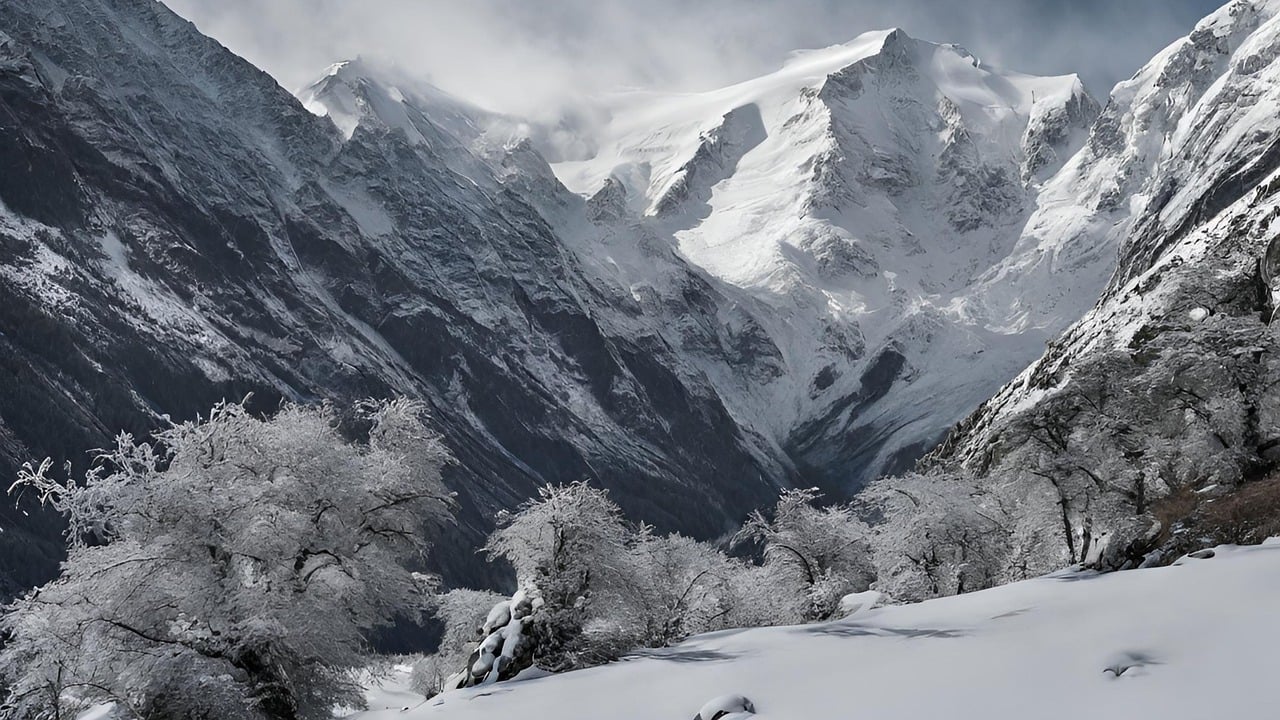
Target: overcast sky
[{"x": 532, "y": 56}]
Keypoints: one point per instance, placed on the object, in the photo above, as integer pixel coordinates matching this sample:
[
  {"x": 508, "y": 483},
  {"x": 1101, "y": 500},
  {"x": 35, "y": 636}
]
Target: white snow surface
[{"x": 1196, "y": 640}]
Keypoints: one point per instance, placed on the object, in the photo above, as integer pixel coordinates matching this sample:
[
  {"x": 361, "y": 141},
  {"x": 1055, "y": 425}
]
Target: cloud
[{"x": 536, "y": 57}]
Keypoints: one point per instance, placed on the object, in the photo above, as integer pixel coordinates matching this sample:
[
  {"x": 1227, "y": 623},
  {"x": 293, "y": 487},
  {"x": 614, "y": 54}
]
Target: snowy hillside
[{"x": 1191, "y": 641}]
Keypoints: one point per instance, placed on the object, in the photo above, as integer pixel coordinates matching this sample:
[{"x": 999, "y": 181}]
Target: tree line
[{"x": 233, "y": 566}]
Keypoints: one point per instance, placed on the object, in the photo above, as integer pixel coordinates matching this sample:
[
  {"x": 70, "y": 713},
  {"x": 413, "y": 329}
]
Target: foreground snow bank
[{"x": 1192, "y": 641}]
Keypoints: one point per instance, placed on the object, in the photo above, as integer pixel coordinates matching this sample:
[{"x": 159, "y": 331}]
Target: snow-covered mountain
[
  {"x": 854, "y": 215},
  {"x": 183, "y": 230},
  {"x": 806, "y": 277},
  {"x": 1166, "y": 387},
  {"x": 796, "y": 279},
  {"x": 863, "y": 195}
]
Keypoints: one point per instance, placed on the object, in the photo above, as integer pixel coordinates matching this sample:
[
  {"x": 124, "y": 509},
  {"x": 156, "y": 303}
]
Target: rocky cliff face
[{"x": 179, "y": 230}]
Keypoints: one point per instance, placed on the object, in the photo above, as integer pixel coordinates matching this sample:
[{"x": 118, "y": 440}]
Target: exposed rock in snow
[
  {"x": 725, "y": 706},
  {"x": 1056, "y": 130}
]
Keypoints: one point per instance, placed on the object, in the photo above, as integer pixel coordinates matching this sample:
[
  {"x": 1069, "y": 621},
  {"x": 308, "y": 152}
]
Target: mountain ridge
[
  {"x": 819, "y": 206},
  {"x": 199, "y": 235}
]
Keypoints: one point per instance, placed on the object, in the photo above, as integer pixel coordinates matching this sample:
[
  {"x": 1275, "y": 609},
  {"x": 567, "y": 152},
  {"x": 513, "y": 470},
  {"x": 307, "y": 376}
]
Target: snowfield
[{"x": 1196, "y": 640}]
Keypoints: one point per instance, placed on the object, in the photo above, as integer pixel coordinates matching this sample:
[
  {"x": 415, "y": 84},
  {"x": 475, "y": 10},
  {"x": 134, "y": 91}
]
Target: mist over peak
[{"x": 534, "y": 59}]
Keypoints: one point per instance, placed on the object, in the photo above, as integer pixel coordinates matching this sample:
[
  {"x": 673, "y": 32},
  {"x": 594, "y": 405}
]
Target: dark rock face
[
  {"x": 719, "y": 151},
  {"x": 176, "y": 229},
  {"x": 822, "y": 460}
]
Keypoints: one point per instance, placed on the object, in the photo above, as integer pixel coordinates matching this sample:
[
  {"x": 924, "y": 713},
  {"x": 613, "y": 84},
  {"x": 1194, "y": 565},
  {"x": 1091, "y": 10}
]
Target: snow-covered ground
[{"x": 1196, "y": 640}]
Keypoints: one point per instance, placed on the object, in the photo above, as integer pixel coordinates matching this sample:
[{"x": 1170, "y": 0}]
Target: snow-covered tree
[
  {"x": 936, "y": 536},
  {"x": 592, "y": 587},
  {"x": 677, "y": 587},
  {"x": 820, "y": 554},
  {"x": 230, "y": 568},
  {"x": 1175, "y": 405}
]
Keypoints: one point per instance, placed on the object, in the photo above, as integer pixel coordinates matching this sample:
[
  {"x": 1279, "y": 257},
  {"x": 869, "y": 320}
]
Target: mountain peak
[
  {"x": 882, "y": 38},
  {"x": 344, "y": 67},
  {"x": 897, "y": 41},
  {"x": 896, "y": 36},
  {"x": 333, "y": 95},
  {"x": 357, "y": 91},
  {"x": 899, "y": 49}
]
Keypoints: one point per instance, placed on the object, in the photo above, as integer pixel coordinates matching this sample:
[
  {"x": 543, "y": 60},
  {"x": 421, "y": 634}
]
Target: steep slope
[
  {"x": 1167, "y": 386},
  {"x": 865, "y": 197},
  {"x": 182, "y": 230},
  {"x": 649, "y": 289},
  {"x": 1192, "y": 642}
]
